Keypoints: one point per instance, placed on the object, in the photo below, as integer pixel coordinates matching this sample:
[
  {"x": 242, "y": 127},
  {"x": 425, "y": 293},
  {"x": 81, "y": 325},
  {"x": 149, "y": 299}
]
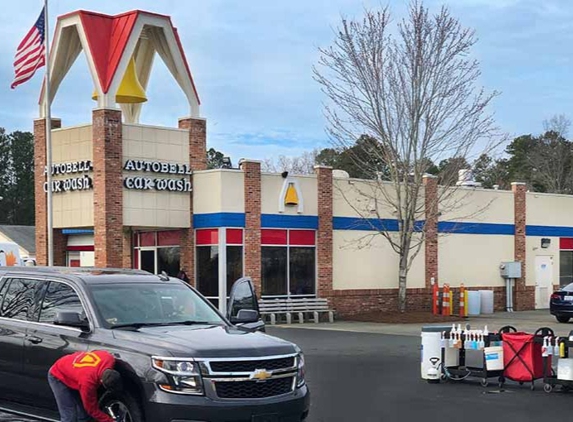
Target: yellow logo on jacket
[{"x": 87, "y": 360}]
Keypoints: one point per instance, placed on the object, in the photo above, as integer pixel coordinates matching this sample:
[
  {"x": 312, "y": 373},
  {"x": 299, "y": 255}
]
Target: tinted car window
[
  {"x": 59, "y": 297},
  {"x": 149, "y": 303},
  {"x": 19, "y": 299}
]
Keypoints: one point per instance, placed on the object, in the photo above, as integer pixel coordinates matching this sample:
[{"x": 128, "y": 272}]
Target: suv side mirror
[
  {"x": 246, "y": 316},
  {"x": 243, "y": 307},
  {"x": 71, "y": 319}
]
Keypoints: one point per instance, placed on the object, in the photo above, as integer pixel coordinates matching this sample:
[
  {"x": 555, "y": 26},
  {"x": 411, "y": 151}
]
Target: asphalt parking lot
[{"x": 374, "y": 377}]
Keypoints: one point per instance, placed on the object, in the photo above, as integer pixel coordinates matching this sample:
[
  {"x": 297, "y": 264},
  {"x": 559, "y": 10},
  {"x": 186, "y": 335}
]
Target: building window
[
  {"x": 565, "y": 261},
  {"x": 158, "y": 251},
  {"x": 288, "y": 262},
  {"x": 207, "y": 260}
]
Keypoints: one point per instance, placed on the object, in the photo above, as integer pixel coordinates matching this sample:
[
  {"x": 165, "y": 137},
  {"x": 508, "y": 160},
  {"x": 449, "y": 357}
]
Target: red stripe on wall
[
  {"x": 302, "y": 237},
  {"x": 273, "y": 237},
  {"x": 169, "y": 238},
  {"x": 234, "y": 236},
  {"x": 207, "y": 237},
  {"x": 147, "y": 239},
  {"x": 566, "y": 243},
  {"x": 82, "y": 248}
]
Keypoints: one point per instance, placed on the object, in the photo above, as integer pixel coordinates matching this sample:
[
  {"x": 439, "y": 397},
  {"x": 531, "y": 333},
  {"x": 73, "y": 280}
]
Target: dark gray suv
[{"x": 181, "y": 360}]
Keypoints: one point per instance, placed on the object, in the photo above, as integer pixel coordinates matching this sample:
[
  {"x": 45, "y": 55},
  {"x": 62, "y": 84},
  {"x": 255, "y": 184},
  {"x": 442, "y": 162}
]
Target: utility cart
[
  {"x": 523, "y": 355},
  {"x": 556, "y": 350},
  {"x": 483, "y": 363}
]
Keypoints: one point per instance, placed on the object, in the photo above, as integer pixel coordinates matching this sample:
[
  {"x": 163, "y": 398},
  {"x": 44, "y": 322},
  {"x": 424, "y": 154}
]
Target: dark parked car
[
  {"x": 181, "y": 360},
  {"x": 561, "y": 303}
]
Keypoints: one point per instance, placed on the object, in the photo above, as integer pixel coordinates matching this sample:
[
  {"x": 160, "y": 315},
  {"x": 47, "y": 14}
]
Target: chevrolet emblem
[{"x": 261, "y": 375}]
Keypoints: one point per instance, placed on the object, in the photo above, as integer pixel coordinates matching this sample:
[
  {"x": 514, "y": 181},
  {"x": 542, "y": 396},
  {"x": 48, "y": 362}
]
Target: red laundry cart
[{"x": 522, "y": 356}]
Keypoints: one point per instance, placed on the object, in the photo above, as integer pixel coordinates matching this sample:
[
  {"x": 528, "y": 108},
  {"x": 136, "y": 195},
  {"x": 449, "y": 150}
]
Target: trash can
[
  {"x": 486, "y": 299},
  {"x": 431, "y": 352},
  {"x": 474, "y": 302}
]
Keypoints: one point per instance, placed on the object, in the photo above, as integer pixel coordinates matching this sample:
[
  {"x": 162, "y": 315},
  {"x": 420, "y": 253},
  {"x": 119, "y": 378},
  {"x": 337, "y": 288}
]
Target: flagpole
[{"x": 48, "y": 139}]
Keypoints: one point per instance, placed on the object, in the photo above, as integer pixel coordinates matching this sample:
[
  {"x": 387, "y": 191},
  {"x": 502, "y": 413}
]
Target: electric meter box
[{"x": 510, "y": 269}]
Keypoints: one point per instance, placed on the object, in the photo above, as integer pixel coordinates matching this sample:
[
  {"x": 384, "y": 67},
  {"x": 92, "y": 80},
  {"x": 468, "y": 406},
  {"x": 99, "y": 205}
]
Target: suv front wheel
[
  {"x": 563, "y": 319},
  {"x": 123, "y": 406}
]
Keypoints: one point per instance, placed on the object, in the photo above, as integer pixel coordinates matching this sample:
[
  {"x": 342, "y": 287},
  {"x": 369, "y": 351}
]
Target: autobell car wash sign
[
  {"x": 80, "y": 178},
  {"x": 170, "y": 184}
]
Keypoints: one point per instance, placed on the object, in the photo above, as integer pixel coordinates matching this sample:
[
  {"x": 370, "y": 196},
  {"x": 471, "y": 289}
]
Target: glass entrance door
[{"x": 147, "y": 260}]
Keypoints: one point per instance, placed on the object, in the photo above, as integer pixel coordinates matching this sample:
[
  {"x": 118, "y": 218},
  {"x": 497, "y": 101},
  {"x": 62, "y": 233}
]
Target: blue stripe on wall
[
  {"x": 237, "y": 219},
  {"x": 289, "y": 221},
  {"x": 549, "y": 231},
  {"x": 77, "y": 231},
  {"x": 219, "y": 219},
  {"x": 353, "y": 223},
  {"x": 475, "y": 228}
]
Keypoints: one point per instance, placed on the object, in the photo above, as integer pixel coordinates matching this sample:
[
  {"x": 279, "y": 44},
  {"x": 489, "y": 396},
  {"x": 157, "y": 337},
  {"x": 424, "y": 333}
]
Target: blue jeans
[{"x": 69, "y": 402}]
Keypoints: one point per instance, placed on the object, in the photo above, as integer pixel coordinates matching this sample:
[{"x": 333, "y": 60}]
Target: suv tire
[
  {"x": 125, "y": 404},
  {"x": 563, "y": 319}
]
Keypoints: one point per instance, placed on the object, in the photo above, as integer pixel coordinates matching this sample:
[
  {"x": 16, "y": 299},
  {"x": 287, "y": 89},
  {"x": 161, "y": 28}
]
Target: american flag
[{"x": 31, "y": 53}]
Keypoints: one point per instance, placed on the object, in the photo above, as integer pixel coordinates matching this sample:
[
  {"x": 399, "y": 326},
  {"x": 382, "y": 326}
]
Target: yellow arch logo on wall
[
  {"x": 291, "y": 195},
  {"x": 87, "y": 360}
]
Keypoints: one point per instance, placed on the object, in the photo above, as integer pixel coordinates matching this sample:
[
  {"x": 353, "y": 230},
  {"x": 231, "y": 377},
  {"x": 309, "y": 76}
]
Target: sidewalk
[{"x": 528, "y": 321}]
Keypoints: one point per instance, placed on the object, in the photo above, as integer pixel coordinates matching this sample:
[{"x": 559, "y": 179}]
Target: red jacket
[{"x": 82, "y": 371}]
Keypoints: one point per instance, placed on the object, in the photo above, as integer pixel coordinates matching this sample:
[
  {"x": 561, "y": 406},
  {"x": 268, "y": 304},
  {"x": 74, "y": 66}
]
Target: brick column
[
  {"x": 198, "y": 161},
  {"x": 40, "y": 196},
  {"x": 197, "y": 141},
  {"x": 524, "y": 296},
  {"x": 431, "y": 229},
  {"x": 127, "y": 247},
  {"x": 108, "y": 187},
  {"x": 324, "y": 234},
  {"x": 60, "y": 248},
  {"x": 252, "y": 249}
]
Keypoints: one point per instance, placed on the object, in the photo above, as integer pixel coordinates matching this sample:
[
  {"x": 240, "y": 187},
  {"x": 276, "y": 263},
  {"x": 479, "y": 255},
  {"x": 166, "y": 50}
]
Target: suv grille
[
  {"x": 252, "y": 365},
  {"x": 254, "y": 389}
]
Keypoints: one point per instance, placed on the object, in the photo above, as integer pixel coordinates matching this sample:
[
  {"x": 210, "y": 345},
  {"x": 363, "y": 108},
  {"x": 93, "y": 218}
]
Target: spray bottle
[
  {"x": 550, "y": 346},
  {"x": 544, "y": 348},
  {"x": 556, "y": 347},
  {"x": 481, "y": 342}
]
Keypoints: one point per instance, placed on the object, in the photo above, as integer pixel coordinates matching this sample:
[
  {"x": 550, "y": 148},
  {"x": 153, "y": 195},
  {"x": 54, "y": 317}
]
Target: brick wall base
[{"x": 353, "y": 302}]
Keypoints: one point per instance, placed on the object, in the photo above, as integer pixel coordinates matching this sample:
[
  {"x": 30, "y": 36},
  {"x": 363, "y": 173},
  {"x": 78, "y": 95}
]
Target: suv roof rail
[{"x": 76, "y": 270}]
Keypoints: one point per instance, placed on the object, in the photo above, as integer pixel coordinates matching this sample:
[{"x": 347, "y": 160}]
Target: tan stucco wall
[
  {"x": 533, "y": 248},
  {"x": 152, "y": 208},
  {"x": 473, "y": 259},
  {"x": 232, "y": 190},
  {"x": 72, "y": 209},
  {"x": 369, "y": 263},
  {"x": 477, "y": 205},
  {"x": 271, "y": 187},
  {"x": 549, "y": 209},
  {"x": 355, "y": 198},
  {"x": 218, "y": 190}
]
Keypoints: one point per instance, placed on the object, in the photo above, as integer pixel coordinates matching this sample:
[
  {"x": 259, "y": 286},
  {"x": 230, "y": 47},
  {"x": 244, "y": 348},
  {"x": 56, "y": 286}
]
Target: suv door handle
[{"x": 34, "y": 340}]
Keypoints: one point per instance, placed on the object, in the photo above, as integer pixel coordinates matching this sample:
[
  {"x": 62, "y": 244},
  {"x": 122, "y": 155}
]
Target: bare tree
[
  {"x": 558, "y": 124},
  {"x": 415, "y": 92},
  {"x": 301, "y": 164}
]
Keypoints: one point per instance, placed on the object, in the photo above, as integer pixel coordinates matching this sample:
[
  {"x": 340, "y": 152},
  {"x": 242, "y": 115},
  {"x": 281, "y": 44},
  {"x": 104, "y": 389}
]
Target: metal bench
[{"x": 297, "y": 306}]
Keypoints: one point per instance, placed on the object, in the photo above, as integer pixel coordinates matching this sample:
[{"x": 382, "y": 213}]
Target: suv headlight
[
  {"x": 300, "y": 370},
  {"x": 183, "y": 374}
]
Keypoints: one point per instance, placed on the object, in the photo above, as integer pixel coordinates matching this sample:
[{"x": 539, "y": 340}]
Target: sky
[{"x": 252, "y": 64}]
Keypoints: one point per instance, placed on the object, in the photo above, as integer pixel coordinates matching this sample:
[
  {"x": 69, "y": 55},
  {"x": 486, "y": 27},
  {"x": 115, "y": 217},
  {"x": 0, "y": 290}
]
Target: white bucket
[
  {"x": 431, "y": 349},
  {"x": 493, "y": 358},
  {"x": 486, "y": 298},
  {"x": 474, "y": 302}
]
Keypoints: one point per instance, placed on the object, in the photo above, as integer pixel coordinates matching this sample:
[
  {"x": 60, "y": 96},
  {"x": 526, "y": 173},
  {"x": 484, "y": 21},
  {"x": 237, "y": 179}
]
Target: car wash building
[{"x": 126, "y": 194}]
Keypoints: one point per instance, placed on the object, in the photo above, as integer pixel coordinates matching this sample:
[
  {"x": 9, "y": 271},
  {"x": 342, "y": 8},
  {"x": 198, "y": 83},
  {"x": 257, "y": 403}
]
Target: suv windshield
[{"x": 141, "y": 304}]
